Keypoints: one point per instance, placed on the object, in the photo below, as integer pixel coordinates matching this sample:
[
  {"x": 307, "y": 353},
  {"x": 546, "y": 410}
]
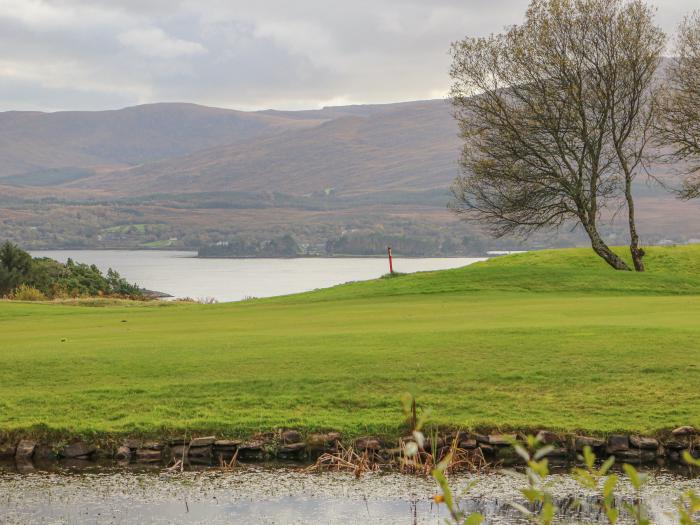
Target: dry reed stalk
[{"x": 346, "y": 459}]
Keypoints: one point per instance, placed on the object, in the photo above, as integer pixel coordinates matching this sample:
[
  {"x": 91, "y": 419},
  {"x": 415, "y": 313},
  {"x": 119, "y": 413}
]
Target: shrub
[
  {"x": 24, "y": 292},
  {"x": 53, "y": 279}
]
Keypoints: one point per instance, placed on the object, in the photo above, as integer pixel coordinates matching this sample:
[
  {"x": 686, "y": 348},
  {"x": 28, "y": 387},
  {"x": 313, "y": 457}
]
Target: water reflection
[{"x": 261, "y": 495}]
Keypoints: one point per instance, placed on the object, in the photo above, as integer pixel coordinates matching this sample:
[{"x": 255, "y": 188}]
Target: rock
[
  {"x": 175, "y": 442},
  {"x": 674, "y": 456},
  {"x": 558, "y": 453},
  {"x": 636, "y": 456},
  {"x": 468, "y": 444},
  {"x": 44, "y": 452},
  {"x": 585, "y": 441},
  {"x": 203, "y": 441},
  {"x": 251, "y": 446},
  {"x": 199, "y": 452},
  {"x": 486, "y": 449},
  {"x": 148, "y": 455},
  {"x": 646, "y": 443},
  {"x": 323, "y": 441},
  {"x": 291, "y": 436},
  {"x": 684, "y": 431},
  {"x": 77, "y": 450},
  {"x": 227, "y": 444},
  {"x": 618, "y": 443},
  {"x": 369, "y": 444},
  {"x": 24, "y": 450},
  {"x": 133, "y": 444},
  {"x": 123, "y": 453},
  {"x": 675, "y": 445},
  {"x": 251, "y": 450},
  {"x": 501, "y": 440},
  {"x": 7, "y": 450},
  {"x": 292, "y": 449},
  {"x": 508, "y": 456},
  {"x": 547, "y": 438},
  {"x": 178, "y": 451},
  {"x": 152, "y": 445}
]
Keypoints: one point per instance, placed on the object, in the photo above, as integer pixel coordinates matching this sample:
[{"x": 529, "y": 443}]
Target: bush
[
  {"x": 52, "y": 279},
  {"x": 24, "y": 292}
]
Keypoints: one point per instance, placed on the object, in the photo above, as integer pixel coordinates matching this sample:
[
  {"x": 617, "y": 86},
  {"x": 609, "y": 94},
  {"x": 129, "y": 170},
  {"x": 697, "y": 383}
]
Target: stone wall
[{"x": 292, "y": 445}]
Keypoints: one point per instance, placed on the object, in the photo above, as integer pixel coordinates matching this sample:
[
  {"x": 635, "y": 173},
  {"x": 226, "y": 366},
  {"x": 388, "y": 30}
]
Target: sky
[{"x": 241, "y": 54}]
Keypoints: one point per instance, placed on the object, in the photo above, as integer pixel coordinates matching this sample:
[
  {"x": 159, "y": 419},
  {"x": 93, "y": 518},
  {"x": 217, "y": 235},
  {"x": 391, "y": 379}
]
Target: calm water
[
  {"x": 261, "y": 496},
  {"x": 181, "y": 274}
]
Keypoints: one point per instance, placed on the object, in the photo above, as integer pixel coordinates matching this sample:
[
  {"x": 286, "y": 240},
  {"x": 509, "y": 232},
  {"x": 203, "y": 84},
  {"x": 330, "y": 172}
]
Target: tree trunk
[
  {"x": 603, "y": 250},
  {"x": 637, "y": 252}
]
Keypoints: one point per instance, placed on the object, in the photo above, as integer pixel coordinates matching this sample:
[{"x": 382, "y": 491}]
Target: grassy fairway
[{"x": 550, "y": 339}]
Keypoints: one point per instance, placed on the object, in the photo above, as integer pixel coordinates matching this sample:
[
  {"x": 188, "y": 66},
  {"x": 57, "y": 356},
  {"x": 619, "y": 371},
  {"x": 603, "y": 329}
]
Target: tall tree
[
  {"x": 679, "y": 106},
  {"x": 555, "y": 115}
]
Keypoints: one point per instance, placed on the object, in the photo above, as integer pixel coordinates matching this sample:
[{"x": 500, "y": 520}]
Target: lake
[{"x": 182, "y": 274}]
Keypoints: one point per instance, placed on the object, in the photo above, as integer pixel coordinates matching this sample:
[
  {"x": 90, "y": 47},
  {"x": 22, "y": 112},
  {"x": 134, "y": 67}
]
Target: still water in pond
[
  {"x": 181, "y": 274},
  {"x": 257, "y": 495}
]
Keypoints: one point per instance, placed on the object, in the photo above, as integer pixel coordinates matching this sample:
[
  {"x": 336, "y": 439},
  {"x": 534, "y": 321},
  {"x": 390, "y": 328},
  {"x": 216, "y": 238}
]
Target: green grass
[{"x": 549, "y": 339}]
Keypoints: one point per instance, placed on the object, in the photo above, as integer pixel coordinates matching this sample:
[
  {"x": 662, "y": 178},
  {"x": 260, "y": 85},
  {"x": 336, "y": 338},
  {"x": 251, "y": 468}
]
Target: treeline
[
  {"x": 284, "y": 246},
  {"x": 353, "y": 243},
  {"x": 363, "y": 243},
  {"x": 25, "y": 278}
]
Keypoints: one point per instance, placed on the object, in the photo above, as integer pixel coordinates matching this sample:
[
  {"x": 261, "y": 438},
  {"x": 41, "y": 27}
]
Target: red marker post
[{"x": 391, "y": 262}]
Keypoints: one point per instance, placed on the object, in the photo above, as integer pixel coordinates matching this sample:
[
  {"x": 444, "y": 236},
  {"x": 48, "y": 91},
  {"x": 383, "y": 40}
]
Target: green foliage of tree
[
  {"x": 15, "y": 267},
  {"x": 678, "y": 125},
  {"x": 53, "y": 279},
  {"x": 284, "y": 246},
  {"x": 556, "y": 116}
]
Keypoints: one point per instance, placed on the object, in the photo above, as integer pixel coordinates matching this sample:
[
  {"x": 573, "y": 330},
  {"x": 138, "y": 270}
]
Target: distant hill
[
  {"x": 34, "y": 142},
  {"x": 185, "y": 176},
  {"x": 356, "y": 149}
]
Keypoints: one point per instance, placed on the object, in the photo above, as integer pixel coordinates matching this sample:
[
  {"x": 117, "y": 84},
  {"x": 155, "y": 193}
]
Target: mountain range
[{"x": 171, "y": 174}]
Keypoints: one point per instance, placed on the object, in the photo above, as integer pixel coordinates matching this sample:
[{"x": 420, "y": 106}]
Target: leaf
[
  {"x": 690, "y": 460},
  {"x": 609, "y": 486},
  {"x": 446, "y": 492},
  {"x": 584, "y": 478},
  {"x": 606, "y": 466},
  {"x": 613, "y": 515},
  {"x": 474, "y": 519},
  {"x": 532, "y": 495},
  {"x": 547, "y": 513},
  {"x": 543, "y": 451},
  {"x": 522, "y": 452},
  {"x": 634, "y": 476},
  {"x": 588, "y": 457},
  {"x": 521, "y": 509}
]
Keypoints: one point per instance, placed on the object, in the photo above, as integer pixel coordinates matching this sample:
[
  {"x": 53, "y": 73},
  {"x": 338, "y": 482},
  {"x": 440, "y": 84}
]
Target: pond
[{"x": 275, "y": 495}]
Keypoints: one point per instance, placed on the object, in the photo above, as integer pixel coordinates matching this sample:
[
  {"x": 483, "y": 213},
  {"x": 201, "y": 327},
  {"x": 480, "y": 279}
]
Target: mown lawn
[{"x": 549, "y": 339}]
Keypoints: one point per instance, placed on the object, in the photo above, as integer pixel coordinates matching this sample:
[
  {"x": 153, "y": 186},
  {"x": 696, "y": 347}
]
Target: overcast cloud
[{"x": 245, "y": 54}]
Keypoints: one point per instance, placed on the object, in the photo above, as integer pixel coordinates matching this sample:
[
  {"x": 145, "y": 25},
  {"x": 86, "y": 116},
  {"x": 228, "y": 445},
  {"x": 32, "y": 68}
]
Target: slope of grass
[
  {"x": 549, "y": 339},
  {"x": 671, "y": 271}
]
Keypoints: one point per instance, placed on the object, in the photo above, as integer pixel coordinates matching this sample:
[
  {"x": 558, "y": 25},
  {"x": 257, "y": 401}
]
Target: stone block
[{"x": 25, "y": 450}]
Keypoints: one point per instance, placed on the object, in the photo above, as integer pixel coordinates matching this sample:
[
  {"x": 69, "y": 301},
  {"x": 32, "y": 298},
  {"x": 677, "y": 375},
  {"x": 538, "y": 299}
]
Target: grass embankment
[{"x": 550, "y": 339}]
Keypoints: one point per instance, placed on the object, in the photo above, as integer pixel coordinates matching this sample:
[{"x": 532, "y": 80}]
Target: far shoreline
[{"x": 301, "y": 256}]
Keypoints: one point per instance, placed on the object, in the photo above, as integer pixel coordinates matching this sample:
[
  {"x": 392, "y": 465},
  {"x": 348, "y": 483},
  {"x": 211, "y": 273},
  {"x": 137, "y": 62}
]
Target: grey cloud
[{"x": 93, "y": 54}]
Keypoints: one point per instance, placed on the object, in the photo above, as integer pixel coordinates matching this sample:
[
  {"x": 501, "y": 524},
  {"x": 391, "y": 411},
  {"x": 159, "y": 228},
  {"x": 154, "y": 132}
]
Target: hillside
[
  {"x": 670, "y": 271},
  {"x": 185, "y": 176},
  {"x": 82, "y": 142},
  {"x": 619, "y": 354},
  {"x": 405, "y": 147}
]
